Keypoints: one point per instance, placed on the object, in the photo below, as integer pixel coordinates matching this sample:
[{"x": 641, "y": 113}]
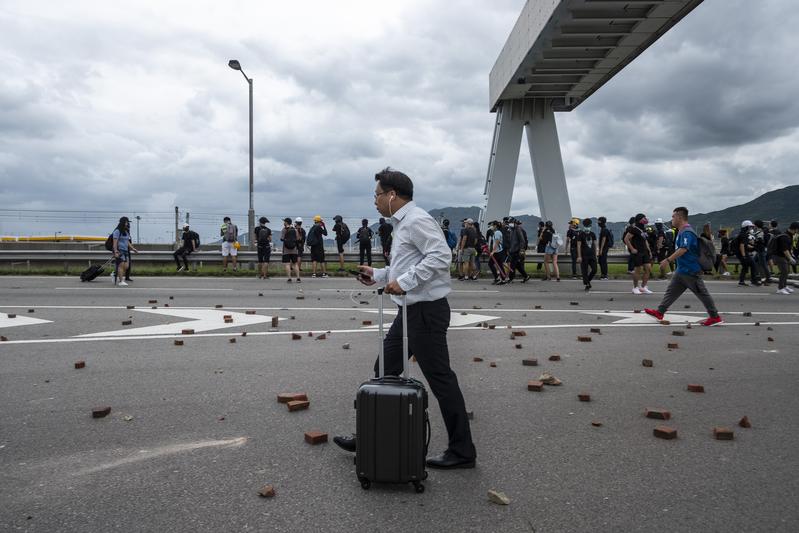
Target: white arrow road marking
[
  {"x": 643, "y": 318},
  {"x": 20, "y": 320},
  {"x": 203, "y": 320},
  {"x": 455, "y": 320}
]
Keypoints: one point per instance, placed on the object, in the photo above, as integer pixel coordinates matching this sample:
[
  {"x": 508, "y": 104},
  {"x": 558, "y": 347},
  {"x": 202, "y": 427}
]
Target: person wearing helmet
[
  {"x": 744, "y": 247},
  {"x": 638, "y": 246},
  {"x": 316, "y": 242}
]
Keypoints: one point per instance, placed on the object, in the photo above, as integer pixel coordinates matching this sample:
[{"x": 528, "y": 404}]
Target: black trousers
[
  {"x": 603, "y": 263},
  {"x": 573, "y": 252},
  {"x": 182, "y": 253},
  {"x": 427, "y": 340},
  {"x": 588, "y": 266},
  {"x": 747, "y": 265},
  {"x": 366, "y": 249},
  {"x": 496, "y": 263},
  {"x": 516, "y": 265}
]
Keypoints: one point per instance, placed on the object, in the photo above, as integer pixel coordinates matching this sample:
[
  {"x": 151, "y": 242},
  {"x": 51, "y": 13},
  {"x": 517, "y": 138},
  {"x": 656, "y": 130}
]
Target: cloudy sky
[{"x": 110, "y": 108}]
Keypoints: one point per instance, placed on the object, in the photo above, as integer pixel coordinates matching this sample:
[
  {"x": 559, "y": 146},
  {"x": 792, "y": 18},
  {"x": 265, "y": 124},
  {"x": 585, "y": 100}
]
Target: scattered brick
[
  {"x": 178, "y": 342},
  {"x": 187, "y": 332},
  {"x": 243, "y": 333},
  {"x": 130, "y": 307},
  {"x": 530, "y": 362},
  {"x": 286, "y": 397},
  {"x": 596, "y": 424},
  {"x": 346, "y": 346},
  {"x": 232, "y": 340},
  {"x": 249, "y": 312},
  {"x": 227, "y": 316},
  {"x": 171, "y": 297},
  {"x": 584, "y": 397},
  {"x": 647, "y": 363},
  {"x": 687, "y": 306},
  {"x": 268, "y": 491},
  {"x": 596, "y": 330},
  {"x": 300, "y": 297},
  {"x": 678, "y": 333},
  {"x": 492, "y": 326},
  {"x": 166, "y": 305},
  {"x": 744, "y": 422},
  {"x": 218, "y": 306},
  {"x": 11, "y": 315},
  {"x": 672, "y": 346},
  {"x": 519, "y": 333},
  {"x": 31, "y": 310},
  {"x": 554, "y": 357},
  {"x": 154, "y": 307},
  {"x": 723, "y": 433},
  {"x": 584, "y": 338},
  {"x": 538, "y": 307},
  {"x": 574, "y": 303},
  {"x": 659, "y": 414},
  {"x": 519, "y": 346},
  {"x": 693, "y": 387},
  {"x": 152, "y": 301},
  {"x": 298, "y": 405},
  {"x": 127, "y": 322},
  {"x": 665, "y": 432},
  {"x": 229, "y": 320},
  {"x": 315, "y": 437},
  {"x": 636, "y": 310},
  {"x": 321, "y": 337},
  {"x": 100, "y": 412},
  {"x": 275, "y": 321},
  {"x": 477, "y": 359},
  {"x": 665, "y": 323},
  {"x": 310, "y": 333},
  {"x": 492, "y": 364},
  {"x": 260, "y": 294},
  {"x": 769, "y": 328},
  {"x": 535, "y": 385},
  {"x": 747, "y": 313},
  {"x": 476, "y": 307},
  {"x": 80, "y": 364},
  {"x": 688, "y": 326},
  {"x": 366, "y": 323},
  {"x": 296, "y": 336},
  {"x": 757, "y": 323},
  {"x": 771, "y": 339},
  {"x": 3, "y": 338}
]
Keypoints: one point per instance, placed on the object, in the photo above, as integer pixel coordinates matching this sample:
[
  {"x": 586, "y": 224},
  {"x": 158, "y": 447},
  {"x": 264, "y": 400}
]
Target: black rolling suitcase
[
  {"x": 392, "y": 425},
  {"x": 94, "y": 271}
]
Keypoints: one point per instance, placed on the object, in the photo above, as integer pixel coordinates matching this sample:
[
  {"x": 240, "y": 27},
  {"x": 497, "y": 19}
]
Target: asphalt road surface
[{"x": 195, "y": 430}]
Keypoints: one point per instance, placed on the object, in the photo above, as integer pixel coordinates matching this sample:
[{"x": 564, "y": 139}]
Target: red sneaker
[
  {"x": 655, "y": 313},
  {"x": 712, "y": 321}
]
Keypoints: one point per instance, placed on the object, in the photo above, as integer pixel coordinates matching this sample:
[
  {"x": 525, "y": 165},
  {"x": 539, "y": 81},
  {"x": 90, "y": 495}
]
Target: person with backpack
[
  {"x": 191, "y": 242},
  {"x": 384, "y": 231},
  {"x": 230, "y": 237},
  {"x": 122, "y": 246},
  {"x": 586, "y": 253},
  {"x": 364, "y": 236},
  {"x": 466, "y": 249},
  {"x": 342, "y": 232},
  {"x": 496, "y": 253},
  {"x": 637, "y": 244},
  {"x": 480, "y": 248},
  {"x": 301, "y": 236},
  {"x": 627, "y": 229},
  {"x": 693, "y": 257},
  {"x": 516, "y": 246},
  {"x": 605, "y": 244},
  {"x": 316, "y": 242},
  {"x": 744, "y": 246},
  {"x": 780, "y": 253},
  {"x": 552, "y": 243},
  {"x": 539, "y": 244},
  {"x": 721, "y": 258},
  {"x": 263, "y": 240},
  {"x": 571, "y": 243},
  {"x": 289, "y": 236},
  {"x": 761, "y": 235}
]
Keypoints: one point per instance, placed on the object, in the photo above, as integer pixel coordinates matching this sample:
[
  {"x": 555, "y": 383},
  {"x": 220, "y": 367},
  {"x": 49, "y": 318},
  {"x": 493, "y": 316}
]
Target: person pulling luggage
[{"x": 420, "y": 260}]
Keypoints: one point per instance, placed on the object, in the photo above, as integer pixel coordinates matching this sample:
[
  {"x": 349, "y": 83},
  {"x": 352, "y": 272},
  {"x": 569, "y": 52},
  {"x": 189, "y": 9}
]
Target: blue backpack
[{"x": 452, "y": 240}]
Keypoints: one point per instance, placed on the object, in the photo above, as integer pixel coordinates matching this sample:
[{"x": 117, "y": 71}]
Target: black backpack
[
  {"x": 109, "y": 243},
  {"x": 363, "y": 236},
  {"x": 196, "y": 237},
  {"x": 345, "y": 232},
  {"x": 290, "y": 239},
  {"x": 262, "y": 235},
  {"x": 771, "y": 247}
]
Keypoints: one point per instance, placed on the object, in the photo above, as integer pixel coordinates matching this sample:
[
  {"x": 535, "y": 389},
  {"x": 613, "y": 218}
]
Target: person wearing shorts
[
  {"x": 230, "y": 234},
  {"x": 291, "y": 258},
  {"x": 263, "y": 238},
  {"x": 315, "y": 241},
  {"x": 640, "y": 254}
]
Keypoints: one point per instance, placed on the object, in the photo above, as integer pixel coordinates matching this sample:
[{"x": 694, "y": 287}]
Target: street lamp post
[
  {"x": 137, "y": 229},
  {"x": 235, "y": 65}
]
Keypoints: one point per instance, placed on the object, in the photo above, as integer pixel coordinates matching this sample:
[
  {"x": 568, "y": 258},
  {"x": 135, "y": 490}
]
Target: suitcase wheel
[
  {"x": 417, "y": 485},
  {"x": 365, "y": 483},
  {"x": 424, "y": 474}
]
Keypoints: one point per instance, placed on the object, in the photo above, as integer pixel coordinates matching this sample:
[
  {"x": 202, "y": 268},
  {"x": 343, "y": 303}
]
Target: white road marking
[
  {"x": 643, "y": 318},
  {"x": 372, "y": 291},
  {"x": 20, "y": 320},
  {"x": 455, "y": 320},
  {"x": 304, "y": 332},
  {"x": 128, "y": 289},
  {"x": 203, "y": 320},
  {"x": 143, "y": 455}
]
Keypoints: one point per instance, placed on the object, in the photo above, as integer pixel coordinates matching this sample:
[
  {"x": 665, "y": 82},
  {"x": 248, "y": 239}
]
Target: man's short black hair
[
  {"x": 774, "y": 223},
  {"x": 631, "y": 221},
  {"x": 602, "y": 220},
  {"x": 683, "y": 212},
  {"x": 794, "y": 226},
  {"x": 394, "y": 180},
  {"x": 226, "y": 219},
  {"x": 759, "y": 223},
  {"x": 587, "y": 222}
]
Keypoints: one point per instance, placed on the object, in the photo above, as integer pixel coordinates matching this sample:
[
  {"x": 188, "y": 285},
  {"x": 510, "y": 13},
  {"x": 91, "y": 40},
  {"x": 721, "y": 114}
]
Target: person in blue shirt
[
  {"x": 122, "y": 248},
  {"x": 689, "y": 272}
]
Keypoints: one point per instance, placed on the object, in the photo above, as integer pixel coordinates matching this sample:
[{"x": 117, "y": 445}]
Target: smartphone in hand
[{"x": 356, "y": 272}]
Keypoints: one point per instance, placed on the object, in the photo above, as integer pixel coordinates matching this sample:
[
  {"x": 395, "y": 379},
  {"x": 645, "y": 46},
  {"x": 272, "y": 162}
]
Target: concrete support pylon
[{"x": 538, "y": 119}]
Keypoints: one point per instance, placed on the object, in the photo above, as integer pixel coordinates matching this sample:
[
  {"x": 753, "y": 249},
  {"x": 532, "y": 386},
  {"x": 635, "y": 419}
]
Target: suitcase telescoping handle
[{"x": 381, "y": 358}]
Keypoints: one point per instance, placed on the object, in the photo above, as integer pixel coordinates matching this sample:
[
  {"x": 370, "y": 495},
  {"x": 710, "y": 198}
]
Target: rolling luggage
[
  {"x": 94, "y": 271},
  {"x": 392, "y": 424}
]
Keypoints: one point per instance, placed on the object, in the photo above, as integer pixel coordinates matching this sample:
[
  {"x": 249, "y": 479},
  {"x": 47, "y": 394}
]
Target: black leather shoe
[
  {"x": 449, "y": 460},
  {"x": 345, "y": 443}
]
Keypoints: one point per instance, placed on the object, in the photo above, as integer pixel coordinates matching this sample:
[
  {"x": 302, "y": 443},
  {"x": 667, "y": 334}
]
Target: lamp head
[{"x": 234, "y": 64}]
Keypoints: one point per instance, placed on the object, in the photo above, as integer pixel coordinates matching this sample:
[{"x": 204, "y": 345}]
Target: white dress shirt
[{"x": 420, "y": 257}]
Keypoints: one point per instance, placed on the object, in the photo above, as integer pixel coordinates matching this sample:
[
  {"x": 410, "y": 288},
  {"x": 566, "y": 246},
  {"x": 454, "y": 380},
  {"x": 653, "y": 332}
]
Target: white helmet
[
  {"x": 298, "y": 219},
  {"x": 746, "y": 223},
  {"x": 658, "y": 221}
]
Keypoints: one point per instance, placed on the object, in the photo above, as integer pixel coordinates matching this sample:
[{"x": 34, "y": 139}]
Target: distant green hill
[{"x": 781, "y": 205}]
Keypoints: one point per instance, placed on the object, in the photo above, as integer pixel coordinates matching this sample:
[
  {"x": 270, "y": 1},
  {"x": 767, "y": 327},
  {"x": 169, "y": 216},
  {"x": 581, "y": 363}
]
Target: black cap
[
  {"x": 549, "y": 223},
  {"x": 287, "y": 220},
  {"x": 263, "y": 220},
  {"x": 226, "y": 219},
  {"x": 337, "y": 218},
  {"x": 639, "y": 217},
  {"x": 794, "y": 226},
  {"x": 586, "y": 222}
]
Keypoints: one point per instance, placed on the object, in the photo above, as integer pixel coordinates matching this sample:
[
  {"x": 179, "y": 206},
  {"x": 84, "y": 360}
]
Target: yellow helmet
[
  {"x": 236, "y": 245},
  {"x": 575, "y": 221}
]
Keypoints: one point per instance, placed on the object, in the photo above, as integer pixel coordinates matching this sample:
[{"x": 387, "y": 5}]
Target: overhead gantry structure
[{"x": 558, "y": 54}]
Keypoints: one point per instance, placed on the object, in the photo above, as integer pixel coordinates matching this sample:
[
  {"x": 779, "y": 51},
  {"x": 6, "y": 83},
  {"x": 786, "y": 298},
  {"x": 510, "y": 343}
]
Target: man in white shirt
[{"x": 420, "y": 260}]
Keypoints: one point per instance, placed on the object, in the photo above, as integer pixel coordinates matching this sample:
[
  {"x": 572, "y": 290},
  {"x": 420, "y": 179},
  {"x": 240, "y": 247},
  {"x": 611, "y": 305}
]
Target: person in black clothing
[
  {"x": 637, "y": 244},
  {"x": 539, "y": 244},
  {"x": 364, "y": 236},
  {"x": 782, "y": 256},
  {"x": 189, "y": 245},
  {"x": 316, "y": 242},
  {"x": 720, "y": 263},
  {"x": 571, "y": 243},
  {"x": 263, "y": 239},
  {"x": 342, "y": 232},
  {"x": 604, "y": 246},
  {"x": 384, "y": 231},
  {"x": 586, "y": 253},
  {"x": 516, "y": 247},
  {"x": 630, "y": 225},
  {"x": 761, "y": 260},
  {"x": 744, "y": 246},
  {"x": 480, "y": 248}
]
